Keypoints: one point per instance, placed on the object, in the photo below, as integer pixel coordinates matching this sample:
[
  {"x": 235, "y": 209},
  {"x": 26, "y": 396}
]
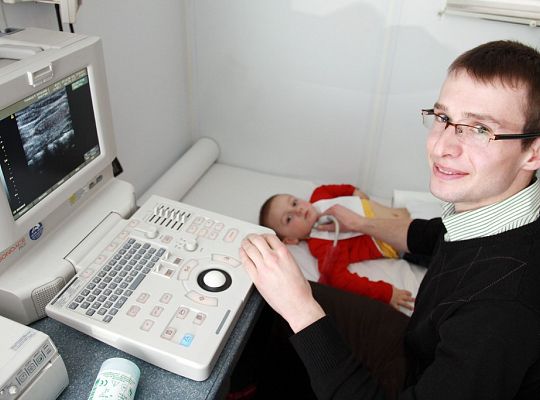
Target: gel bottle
[{"x": 117, "y": 380}]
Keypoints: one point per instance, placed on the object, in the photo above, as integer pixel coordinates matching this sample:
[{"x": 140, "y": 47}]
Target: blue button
[{"x": 187, "y": 340}]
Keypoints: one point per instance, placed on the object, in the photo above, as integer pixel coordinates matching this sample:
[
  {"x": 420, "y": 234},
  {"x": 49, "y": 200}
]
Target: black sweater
[{"x": 475, "y": 331}]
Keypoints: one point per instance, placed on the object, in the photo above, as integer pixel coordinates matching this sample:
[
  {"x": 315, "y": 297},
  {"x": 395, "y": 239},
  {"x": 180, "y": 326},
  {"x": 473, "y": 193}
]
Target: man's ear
[
  {"x": 289, "y": 240},
  {"x": 532, "y": 163}
]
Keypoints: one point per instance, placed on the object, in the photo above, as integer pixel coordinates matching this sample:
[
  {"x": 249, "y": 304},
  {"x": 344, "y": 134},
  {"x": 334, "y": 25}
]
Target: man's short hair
[{"x": 512, "y": 64}]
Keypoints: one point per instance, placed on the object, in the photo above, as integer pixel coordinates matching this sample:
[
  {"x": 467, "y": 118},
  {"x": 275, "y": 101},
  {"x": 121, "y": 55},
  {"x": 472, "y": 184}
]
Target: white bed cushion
[{"x": 239, "y": 192}]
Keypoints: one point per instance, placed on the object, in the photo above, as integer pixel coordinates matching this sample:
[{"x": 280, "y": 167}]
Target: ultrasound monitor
[
  {"x": 56, "y": 128},
  {"x": 56, "y": 150},
  {"x": 45, "y": 139}
]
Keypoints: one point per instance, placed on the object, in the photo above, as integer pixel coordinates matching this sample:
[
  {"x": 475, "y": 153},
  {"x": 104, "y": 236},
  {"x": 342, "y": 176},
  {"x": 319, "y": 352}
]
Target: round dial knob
[
  {"x": 191, "y": 245},
  {"x": 214, "y": 279},
  {"x": 151, "y": 232}
]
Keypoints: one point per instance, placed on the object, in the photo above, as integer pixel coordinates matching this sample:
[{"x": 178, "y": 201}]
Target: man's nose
[{"x": 447, "y": 143}]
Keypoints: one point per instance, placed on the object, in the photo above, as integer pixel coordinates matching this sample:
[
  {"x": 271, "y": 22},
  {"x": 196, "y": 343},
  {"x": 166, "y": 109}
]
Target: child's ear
[{"x": 288, "y": 240}]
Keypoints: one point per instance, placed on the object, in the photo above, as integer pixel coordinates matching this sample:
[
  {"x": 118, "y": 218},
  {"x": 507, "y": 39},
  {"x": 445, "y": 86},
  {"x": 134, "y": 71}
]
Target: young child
[{"x": 293, "y": 220}]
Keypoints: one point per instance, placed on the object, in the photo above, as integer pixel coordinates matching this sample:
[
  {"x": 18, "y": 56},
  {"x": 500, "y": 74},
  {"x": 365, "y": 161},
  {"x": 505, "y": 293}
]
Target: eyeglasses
[{"x": 478, "y": 135}]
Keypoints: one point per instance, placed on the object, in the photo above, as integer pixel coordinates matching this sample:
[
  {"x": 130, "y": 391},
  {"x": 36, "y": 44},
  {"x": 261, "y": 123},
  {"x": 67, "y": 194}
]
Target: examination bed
[{"x": 198, "y": 179}]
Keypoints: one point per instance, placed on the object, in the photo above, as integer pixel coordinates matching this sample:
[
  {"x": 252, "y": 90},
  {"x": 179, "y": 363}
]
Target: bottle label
[{"x": 113, "y": 385}]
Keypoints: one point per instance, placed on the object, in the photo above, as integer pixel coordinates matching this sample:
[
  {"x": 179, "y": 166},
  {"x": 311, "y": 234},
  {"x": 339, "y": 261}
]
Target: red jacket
[{"x": 333, "y": 261}]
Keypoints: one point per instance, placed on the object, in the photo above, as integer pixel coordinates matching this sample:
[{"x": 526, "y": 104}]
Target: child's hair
[{"x": 265, "y": 213}]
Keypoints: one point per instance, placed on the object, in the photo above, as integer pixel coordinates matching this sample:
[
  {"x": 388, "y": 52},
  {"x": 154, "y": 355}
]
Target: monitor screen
[{"x": 46, "y": 138}]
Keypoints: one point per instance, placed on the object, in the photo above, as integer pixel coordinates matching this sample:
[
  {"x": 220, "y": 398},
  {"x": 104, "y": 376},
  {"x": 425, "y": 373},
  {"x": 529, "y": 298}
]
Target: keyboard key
[
  {"x": 136, "y": 282},
  {"x": 120, "y": 302}
]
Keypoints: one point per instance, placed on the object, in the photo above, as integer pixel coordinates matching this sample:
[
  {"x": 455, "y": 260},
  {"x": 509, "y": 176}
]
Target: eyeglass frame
[{"x": 492, "y": 136}]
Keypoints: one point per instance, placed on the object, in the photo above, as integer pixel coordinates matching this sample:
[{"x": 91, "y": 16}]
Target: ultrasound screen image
[
  {"x": 46, "y": 130},
  {"x": 46, "y": 139}
]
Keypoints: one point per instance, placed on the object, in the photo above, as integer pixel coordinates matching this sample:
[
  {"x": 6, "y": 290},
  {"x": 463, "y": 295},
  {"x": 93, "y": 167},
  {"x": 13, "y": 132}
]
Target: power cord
[
  {"x": 327, "y": 219},
  {"x": 332, "y": 252}
]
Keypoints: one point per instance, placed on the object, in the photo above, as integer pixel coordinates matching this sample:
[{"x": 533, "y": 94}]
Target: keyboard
[{"x": 165, "y": 285}]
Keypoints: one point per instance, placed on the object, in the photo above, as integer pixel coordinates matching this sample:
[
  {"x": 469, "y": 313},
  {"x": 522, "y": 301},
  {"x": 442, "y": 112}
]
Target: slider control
[{"x": 151, "y": 232}]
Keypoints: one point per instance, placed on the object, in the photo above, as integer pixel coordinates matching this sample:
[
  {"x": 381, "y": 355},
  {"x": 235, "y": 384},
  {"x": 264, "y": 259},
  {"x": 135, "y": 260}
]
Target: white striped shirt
[{"x": 514, "y": 212}]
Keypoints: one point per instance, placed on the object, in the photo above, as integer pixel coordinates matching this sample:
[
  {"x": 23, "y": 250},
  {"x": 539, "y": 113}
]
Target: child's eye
[
  {"x": 288, "y": 219},
  {"x": 294, "y": 203}
]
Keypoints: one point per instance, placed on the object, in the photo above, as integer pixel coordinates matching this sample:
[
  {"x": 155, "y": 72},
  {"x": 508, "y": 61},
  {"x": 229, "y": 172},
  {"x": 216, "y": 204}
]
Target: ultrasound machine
[{"x": 162, "y": 282}]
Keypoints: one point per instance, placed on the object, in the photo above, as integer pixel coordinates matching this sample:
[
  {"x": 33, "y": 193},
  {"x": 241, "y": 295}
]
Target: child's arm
[{"x": 331, "y": 191}]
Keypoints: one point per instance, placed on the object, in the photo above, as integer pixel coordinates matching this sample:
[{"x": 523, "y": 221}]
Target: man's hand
[
  {"x": 278, "y": 278},
  {"x": 401, "y": 298},
  {"x": 390, "y": 230}
]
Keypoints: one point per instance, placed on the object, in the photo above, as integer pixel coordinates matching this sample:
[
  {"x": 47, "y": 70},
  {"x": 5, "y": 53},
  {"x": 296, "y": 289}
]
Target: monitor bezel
[{"x": 14, "y": 84}]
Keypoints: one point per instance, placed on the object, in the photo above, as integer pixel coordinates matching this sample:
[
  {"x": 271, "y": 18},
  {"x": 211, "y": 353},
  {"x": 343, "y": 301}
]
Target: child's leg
[{"x": 388, "y": 212}]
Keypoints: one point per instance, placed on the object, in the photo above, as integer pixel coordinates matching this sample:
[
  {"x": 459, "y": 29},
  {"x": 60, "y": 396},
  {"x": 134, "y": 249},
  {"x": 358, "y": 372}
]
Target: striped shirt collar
[{"x": 514, "y": 212}]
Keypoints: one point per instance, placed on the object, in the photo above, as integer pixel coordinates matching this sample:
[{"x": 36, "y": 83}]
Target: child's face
[{"x": 292, "y": 218}]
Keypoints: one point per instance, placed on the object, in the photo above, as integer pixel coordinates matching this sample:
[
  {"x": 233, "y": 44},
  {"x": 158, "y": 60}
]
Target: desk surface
[{"x": 83, "y": 356}]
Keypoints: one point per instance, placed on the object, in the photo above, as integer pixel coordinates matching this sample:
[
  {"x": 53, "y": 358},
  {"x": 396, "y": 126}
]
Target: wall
[
  {"x": 327, "y": 90},
  {"x": 145, "y": 57}
]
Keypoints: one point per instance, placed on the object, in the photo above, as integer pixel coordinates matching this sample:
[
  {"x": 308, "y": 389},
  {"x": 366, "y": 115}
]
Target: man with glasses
[{"x": 475, "y": 331}]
